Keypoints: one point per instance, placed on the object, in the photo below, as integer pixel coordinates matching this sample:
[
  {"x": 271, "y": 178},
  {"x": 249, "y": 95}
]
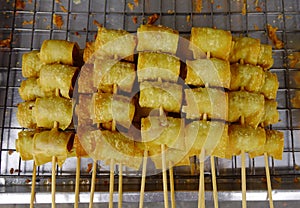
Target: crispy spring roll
[
  {"x": 273, "y": 146},
  {"x": 209, "y": 101},
  {"x": 265, "y": 59},
  {"x": 31, "y": 64},
  {"x": 246, "y": 49},
  {"x": 48, "y": 110},
  {"x": 25, "y": 116},
  {"x": 244, "y": 138},
  {"x": 214, "y": 72},
  {"x": 107, "y": 107},
  {"x": 159, "y": 130},
  {"x": 79, "y": 148},
  {"x": 246, "y": 76},
  {"x": 109, "y": 72},
  {"x": 161, "y": 94},
  {"x": 152, "y": 66},
  {"x": 217, "y": 42},
  {"x": 88, "y": 51},
  {"x": 157, "y": 39},
  {"x": 52, "y": 143},
  {"x": 118, "y": 44},
  {"x": 57, "y": 76},
  {"x": 175, "y": 156},
  {"x": 30, "y": 90},
  {"x": 269, "y": 89},
  {"x": 246, "y": 104},
  {"x": 271, "y": 115},
  {"x": 117, "y": 146},
  {"x": 83, "y": 110},
  {"x": 24, "y": 144},
  {"x": 59, "y": 51},
  {"x": 85, "y": 82}
]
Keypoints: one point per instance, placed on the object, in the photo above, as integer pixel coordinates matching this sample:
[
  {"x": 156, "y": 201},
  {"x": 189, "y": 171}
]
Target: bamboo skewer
[
  {"x": 53, "y": 181},
  {"x": 243, "y": 169},
  {"x": 164, "y": 172},
  {"x": 268, "y": 180},
  {"x": 33, "y": 181},
  {"x": 172, "y": 188},
  {"x": 77, "y": 181},
  {"x": 144, "y": 168},
  {"x": 111, "y": 184},
  {"x": 201, "y": 196},
  {"x": 120, "y": 198},
  {"x": 214, "y": 181},
  {"x": 94, "y": 172}
]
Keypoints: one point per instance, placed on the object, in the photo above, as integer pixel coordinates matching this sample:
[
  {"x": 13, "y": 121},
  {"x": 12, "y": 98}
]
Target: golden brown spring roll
[
  {"x": 108, "y": 107},
  {"x": 217, "y": 42},
  {"x": 244, "y": 138},
  {"x": 83, "y": 110},
  {"x": 30, "y": 90},
  {"x": 79, "y": 149},
  {"x": 52, "y": 143},
  {"x": 24, "y": 144},
  {"x": 214, "y": 72},
  {"x": 57, "y": 76},
  {"x": 246, "y": 76},
  {"x": 117, "y": 146},
  {"x": 161, "y": 94},
  {"x": 246, "y": 104},
  {"x": 85, "y": 82},
  {"x": 25, "y": 116},
  {"x": 221, "y": 147},
  {"x": 48, "y": 110},
  {"x": 59, "y": 51},
  {"x": 271, "y": 115},
  {"x": 152, "y": 66},
  {"x": 157, "y": 39},
  {"x": 209, "y": 101},
  {"x": 118, "y": 44},
  {"x": 88, "y": 51},
  {"x": 265, "y": 59},
  {"x": 269, "y": 89},
  {"x": 163, "y": 130},
  {"x": 31, "y": 64},
  {"x": 273, "y": 146},
  {"x": 246, "y": 49},
  {"x": 109, "y": 72}
]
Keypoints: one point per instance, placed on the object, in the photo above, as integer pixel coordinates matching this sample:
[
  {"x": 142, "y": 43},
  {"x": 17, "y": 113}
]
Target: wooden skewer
[
  {"x": 173, "y": 202},
  {"x": 244, "y": 199},
  {"x": 53, "y": 181},
  {"x": 33, "y": 181},
  {"x": 268, "y": 180},
  {"x": 214, "y": 181},
  {"x": 94, "y": 172},
  {"x": 164, "y": 172},
  {"x": 77, "y": 182},
  {"x": 144, "y": 169},
  {"x": 201, "y": 196},
  {"x": 120, "y": 198},
  {"x": 111, "y": 184}
]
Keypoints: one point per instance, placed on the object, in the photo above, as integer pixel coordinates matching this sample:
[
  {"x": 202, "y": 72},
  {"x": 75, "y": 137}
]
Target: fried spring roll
[
  {"x": 48, "y": 110},
  {"x": 273, "y": 146},
  {"x": 215, "y": 72},
  {"x": 152, "y": 66},
  {"x": 57, "y": 76},
  {"x": 59, "y": 51},
  {"x": 118, "y": 44},
  {"x": 107, "y": 107},
  {"x": 244, "y": 138},
  {"x": 79, "y": 148},
  {"x": 217, "y": 42},
  {"x": 246, "y": 104},
  {"x": 159, "y": 130},
  {"x": 221, "y": 147},
  {"x": 31, "y": 64},
  {"x": 246, "y": 49},
  {"x": 265, "y": 59},
  {"x": 157, "y": 39},
  {"x": 109, "y": 72},
  {"x": 209, "y": 101},
  {"x": 269, "y": 89},
  {"x": 85, "y": 83},
  {"x": 175, "y": 156},
  {"x": 83, "y": 110},
  {"x": 249, "y": 77},
  {"x": 47, "y": 144},
  {"x": 25, "y": 116},
  {"x": 161, "y": 94},
  {"x": 271, "y": 115},
  {"x": 24, "y": 144},
  {"x": 88, "y": 51},
  {"x": 30, "y": 90}
]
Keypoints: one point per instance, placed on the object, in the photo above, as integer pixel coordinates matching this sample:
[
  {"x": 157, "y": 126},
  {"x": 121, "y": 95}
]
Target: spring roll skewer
[
  {"x": 120, "y": 189},
  {"x": 53, "y": 174},
  {"x": 144, "y": 169},
  {"x": 33, "y": 181},
  {"x": 93, "y": 183},
  {"x": 77, "y": 181},
  {"x": 269, "y": 185}
]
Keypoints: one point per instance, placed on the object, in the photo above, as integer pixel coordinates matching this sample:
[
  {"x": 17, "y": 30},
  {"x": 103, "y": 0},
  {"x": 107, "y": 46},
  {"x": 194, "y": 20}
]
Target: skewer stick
[
  {"x": 244, "y": 199},
  {"x": 173, "y": 203},
  {"x": 53, "y": 181},
  {"x": 77, "y": 181},
  {"x": 141, "y": 204},
  {"x": 214, "y": 181},
  {"x": 201, "y": 196},
  {"x": 268, "y": 180},
  {"x": 164, "y": 171},
  {"x": 111, "y": 184},
  {"x": 33, "y": 180},
  {"x": 94, "y": 172},
  {"x": 120, "y": 198}
]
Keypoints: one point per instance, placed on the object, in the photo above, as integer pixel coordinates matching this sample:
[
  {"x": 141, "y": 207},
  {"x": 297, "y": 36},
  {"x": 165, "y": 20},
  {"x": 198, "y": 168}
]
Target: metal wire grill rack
[{"x": 28, "y": 23}]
